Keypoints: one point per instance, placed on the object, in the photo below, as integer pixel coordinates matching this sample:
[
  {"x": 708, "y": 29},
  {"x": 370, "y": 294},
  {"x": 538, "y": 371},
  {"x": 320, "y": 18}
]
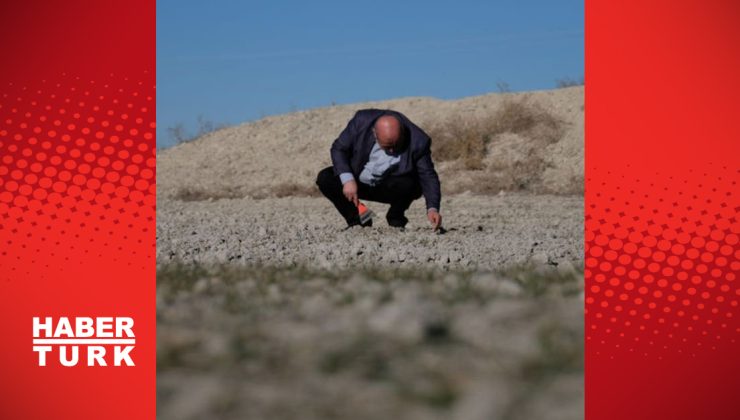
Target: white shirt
[{"x": 376, "y": 167}]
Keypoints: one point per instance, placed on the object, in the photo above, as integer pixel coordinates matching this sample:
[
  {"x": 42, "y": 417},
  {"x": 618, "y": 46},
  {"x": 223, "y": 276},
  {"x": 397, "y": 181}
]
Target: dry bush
[
  {"x": 527, "y": 119},
  {"x": 289, "y": 189},
  {"x": 568, "y": 82},
  {"x": 466, "y": 138},
  {"x": 460, "y": 138},
  {"x": 197, "y": 194},
  {"x": 179, "y": 134},
  {"x": 517, "y": 175},
  {"x": 469, "y": 141}
]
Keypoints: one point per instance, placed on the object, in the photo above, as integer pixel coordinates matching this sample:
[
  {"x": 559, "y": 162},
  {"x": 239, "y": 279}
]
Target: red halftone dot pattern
[
  {"x": 70, "y": 246},
  {"x": 662, "y": 277},
  {"x": 77, "y": 165}
]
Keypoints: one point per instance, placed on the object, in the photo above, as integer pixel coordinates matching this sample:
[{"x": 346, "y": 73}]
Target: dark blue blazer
[{"x": 351, "y": 151}]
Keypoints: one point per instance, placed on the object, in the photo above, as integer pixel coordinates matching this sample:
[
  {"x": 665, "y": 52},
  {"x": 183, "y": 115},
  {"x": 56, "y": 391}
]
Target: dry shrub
[
  {"x": 198, "y": 194},
  {"x": 289, "y": 189},
  {"x": 516, "y": 175},
  {"x": 286, "y": 189},
  {"x": 469, "y": 141},
  {"x": 527, "y": 119},
  {"x": 460, "y": 138},
  {"x": 567, "y": 82},
  {"x": 466, "y": 138},
  {"x": 179, "y": 134}
]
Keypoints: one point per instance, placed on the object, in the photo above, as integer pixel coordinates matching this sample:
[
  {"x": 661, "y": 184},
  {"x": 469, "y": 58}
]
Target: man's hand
[
  {"x": 434, "y": 218},
  {"x": 349, "y": 189}
]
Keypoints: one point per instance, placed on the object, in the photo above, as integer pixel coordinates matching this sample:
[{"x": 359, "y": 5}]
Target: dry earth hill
[{"x": 529, "y": 141}]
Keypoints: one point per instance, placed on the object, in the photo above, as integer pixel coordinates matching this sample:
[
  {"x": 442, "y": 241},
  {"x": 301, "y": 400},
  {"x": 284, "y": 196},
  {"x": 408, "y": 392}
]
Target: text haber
[{"x": 97, "y": 336}]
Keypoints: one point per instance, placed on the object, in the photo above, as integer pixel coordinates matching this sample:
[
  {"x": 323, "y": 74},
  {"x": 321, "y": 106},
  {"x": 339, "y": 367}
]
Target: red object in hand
[{"x": 365, "y": 213}]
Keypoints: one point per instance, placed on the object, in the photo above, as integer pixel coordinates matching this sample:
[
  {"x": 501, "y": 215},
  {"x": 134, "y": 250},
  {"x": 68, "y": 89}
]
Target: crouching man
[{"x": 381, "y": 156}]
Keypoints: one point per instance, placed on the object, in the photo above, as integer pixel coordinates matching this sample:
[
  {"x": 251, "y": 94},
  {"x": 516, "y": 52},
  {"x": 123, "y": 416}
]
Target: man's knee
[{"x": 325, "y": 177}]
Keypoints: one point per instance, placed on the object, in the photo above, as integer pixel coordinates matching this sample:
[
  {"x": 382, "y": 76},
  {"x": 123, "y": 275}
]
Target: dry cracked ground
[{"x": 268, "y": 309}]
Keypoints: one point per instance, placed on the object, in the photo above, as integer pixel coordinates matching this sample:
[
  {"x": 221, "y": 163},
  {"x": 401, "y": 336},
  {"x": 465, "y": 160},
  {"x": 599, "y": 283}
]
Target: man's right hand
[
  {"x": 349, "y": 189},
  {"x": 434, "y": 218}
]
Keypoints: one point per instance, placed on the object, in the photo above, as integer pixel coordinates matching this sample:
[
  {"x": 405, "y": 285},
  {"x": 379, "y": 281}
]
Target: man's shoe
[
  {"x": 395, "y": 219},
  {"x": 354, "y": 223},
  {"x": 397, "y": 222}
]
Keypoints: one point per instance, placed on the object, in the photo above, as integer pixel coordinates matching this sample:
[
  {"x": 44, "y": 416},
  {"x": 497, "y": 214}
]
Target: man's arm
[
  {"x": 346, "y": 177},
  {"x": 429, "y": 179},
  {"x": 341, "y": 151}
]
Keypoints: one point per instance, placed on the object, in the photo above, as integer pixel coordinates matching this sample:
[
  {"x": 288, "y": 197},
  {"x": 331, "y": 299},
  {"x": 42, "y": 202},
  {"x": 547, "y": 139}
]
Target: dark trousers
[{"x": 398, "y": 191}]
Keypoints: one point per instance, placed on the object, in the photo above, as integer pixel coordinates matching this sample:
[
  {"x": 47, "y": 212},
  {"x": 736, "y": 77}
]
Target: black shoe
[
  {"x": 397, "y": 222},
  {"x": 354, "y": 223},
  {"x": 396, "y": 218}
]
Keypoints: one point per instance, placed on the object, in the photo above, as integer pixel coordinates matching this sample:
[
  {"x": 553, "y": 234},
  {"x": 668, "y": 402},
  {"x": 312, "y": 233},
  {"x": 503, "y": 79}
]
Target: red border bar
[
  {"x": 77, "y": 200},
  {"x": 662, "y": 221}
]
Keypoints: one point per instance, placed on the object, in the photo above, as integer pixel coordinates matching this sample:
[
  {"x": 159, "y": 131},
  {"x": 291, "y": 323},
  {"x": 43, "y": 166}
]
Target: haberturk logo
[{"x": 86, "y": 341}]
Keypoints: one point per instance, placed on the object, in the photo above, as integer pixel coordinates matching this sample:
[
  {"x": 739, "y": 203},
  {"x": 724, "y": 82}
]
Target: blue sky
[{"x": 234, "y": 61}]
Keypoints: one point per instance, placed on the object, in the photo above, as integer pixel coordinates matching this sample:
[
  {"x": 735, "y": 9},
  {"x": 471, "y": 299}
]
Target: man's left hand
[{"x": 434, "y": 218}]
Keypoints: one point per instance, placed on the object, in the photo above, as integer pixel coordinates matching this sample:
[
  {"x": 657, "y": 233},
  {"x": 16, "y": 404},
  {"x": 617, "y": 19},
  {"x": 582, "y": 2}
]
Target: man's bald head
[{"x": 389, "y": 133}]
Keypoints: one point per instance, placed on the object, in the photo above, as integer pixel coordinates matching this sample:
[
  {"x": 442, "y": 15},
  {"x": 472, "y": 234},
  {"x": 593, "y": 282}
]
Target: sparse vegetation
[
  {"x": 561, "y": 351},
  {"x": 196, "y": 194},
  {"x": 291, "y": 189},
  {"x": 179, "y": 134},
  {"x": 476, "y": 143},
  {"x": 460, "y": 138},
  {"x": 568, "y": 82},
  {"x": 269, "y": 336},
  {"x": 538, "y": 280},
  {"x": 503, "y": 87},
  {"x": 278, "y": 191}
]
